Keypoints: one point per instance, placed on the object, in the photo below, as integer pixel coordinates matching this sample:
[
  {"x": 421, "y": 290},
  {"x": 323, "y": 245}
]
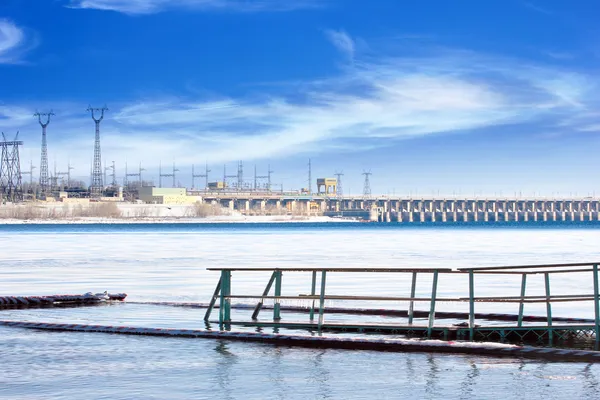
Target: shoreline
[{"x": 275, "y": 219}]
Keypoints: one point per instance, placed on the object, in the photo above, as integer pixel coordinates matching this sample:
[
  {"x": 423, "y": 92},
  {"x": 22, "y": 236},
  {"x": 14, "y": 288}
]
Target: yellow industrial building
[
  {"x": 154, "y": 195},
  {"x": 327, "y": 186},
  {"x": 217, "y": 185}
]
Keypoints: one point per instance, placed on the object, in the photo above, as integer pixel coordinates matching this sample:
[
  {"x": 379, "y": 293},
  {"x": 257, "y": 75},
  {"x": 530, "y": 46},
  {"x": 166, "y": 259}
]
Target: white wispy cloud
[
  {"x": 559, "y": 55},
  {"x": 342, "y": 41},
  {"x": 155, "y": 6},
  {"x": 590, "y": 128},
  {"x": 12, "y": 42},
  {"x": 537, "y": 8},
  {"x": 373, "y": 101}
]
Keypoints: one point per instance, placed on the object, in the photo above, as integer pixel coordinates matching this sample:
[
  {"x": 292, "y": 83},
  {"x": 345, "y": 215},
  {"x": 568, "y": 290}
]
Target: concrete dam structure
[
  {"x": 407, "y": 210},
  {"x": 488, "y": 210}
]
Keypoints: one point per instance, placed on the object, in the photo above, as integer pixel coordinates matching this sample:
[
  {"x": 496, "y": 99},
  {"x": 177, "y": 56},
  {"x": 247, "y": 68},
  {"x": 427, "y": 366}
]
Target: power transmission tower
[
  {"x": 240, "y": 176},
  {"x": 114, "y": 175},
  {"x": 255, "y": 178},
  {"x": 138, "y": 175},
  {"x": 10, "y": 170},
  {"x": 309, "y": 177},
  {"x": 225, "y": 176},
  {"x": 69, "y": 169},
  {"x": 30, "y": 173},
  {"x": 125, "y": 176},
  {"x": 204, "y": 175},
  {"x": 97, "y": 186},
  {"x": 269, "y": 172},
  {"x": 339, "y": 189},
  {"x": 267, "y": 177},
  {"x": 44, "y": 160},
  {"x": 161, "y": 175},
  {"x": 54, "y": 179},
  {"x": 367, "y": 185},
  {"x": 67, "y": 174},
  {"x": 105, "y": 170}
]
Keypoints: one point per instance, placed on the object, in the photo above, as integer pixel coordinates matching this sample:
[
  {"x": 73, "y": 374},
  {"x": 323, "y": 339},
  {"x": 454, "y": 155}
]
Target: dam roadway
[{"x": 412, "y": 209}]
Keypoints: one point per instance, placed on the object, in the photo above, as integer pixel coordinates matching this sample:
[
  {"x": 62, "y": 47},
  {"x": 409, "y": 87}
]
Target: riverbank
[
  {"x": 132, "y": 213},
  {"x": 175, "y": 220}
]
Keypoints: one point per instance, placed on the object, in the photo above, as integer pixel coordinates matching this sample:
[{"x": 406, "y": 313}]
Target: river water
[{"x": 167, "y": 262}]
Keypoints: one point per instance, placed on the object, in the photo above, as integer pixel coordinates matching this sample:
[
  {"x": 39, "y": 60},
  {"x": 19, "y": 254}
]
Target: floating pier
[
  {"x": 478, "y": 327},
  {"x": 564, "y": 338},
  {"x": 332, "y": 342},
  {"x": 58, "y": 299}
]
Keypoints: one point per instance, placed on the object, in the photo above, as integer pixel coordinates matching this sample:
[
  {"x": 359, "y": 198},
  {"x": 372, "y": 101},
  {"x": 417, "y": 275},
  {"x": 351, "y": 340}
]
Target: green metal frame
[
  {"x": 522, "y": 304},
  {"x": 277, "y": 305},
  {"x": 548, "y": 331},
  {"x": 313, "y": 289},
  {"x": 548, "y": 304},
  {"x": 596, "y": 302},
  {"x": 411, "y": 307},
  {"x": 322, "y": 300},
  {"x": 213, "y": 300},
  {"x": 471, "y": 305},
  {"x": 432, "y": 304},
  {"x": 265, "y": 293},
  {"x": 224, "y": 300}
]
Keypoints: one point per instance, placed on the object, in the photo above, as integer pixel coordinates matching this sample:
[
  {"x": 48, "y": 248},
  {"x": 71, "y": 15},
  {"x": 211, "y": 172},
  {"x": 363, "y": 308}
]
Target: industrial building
[
  {"x": 327, "y": 186},
  {"x": 154, "y": 195},
  {"x": 217, "y": 185}
]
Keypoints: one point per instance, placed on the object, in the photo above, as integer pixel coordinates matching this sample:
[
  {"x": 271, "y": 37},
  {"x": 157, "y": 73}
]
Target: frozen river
[{"x": 168, "y": 263}]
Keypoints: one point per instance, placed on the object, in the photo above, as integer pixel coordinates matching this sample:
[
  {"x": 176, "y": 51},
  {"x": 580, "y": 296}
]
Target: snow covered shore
[{"x": 176, "y": 220}]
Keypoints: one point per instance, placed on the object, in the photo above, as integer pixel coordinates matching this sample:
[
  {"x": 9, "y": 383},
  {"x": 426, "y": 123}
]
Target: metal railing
[{"x": 224, "y": 296}]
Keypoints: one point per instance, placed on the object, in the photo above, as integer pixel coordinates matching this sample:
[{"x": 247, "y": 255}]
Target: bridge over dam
[{"x": 411, "y": 209}]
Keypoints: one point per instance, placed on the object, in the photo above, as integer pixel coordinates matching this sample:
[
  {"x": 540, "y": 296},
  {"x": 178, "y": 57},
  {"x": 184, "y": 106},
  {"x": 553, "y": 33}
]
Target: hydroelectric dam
[{"x": 415, "y": 210}]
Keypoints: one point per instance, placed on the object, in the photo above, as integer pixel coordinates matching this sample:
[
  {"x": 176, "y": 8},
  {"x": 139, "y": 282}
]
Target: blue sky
[{"x": 466, "y": 97}]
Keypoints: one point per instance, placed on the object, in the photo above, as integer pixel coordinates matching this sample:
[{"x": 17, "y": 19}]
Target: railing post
[
  {"x": 432, "y": 308},
  {"x": 277, "y": 305},
  {"x": 213, "y": 300},
  {"x": 225, "y": 301},
  {"x": 411, "y": 307},
  {"x": 471, "y": 304},
  {"x": 548, "y": 304},
  {"x": 596, "y": 303},
  {"x": 522, "y": 304},
  {"x": 265, "y": 293},
  {"x": 322, "y": 300},
  {"x": 313, "y": 290}
]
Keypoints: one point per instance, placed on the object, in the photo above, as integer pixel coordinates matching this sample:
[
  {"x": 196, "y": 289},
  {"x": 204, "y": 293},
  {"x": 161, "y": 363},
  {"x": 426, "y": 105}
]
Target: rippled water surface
[{"x": 168, "y": 263}]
